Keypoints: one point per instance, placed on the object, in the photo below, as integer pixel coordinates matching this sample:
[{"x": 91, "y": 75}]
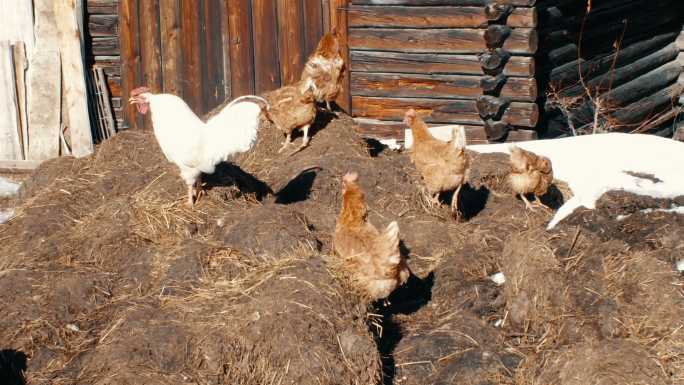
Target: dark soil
[{"x": 108, "y": 278}]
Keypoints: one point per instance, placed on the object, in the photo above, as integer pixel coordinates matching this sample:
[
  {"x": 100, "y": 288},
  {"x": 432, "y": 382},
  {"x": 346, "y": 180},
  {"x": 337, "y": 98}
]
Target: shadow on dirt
[{"x": 12, "y": 367}]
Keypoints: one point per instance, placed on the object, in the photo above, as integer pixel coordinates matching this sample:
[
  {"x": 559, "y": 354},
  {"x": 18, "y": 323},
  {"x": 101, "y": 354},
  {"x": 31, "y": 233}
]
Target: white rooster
[{"x": 194, "y": 145}]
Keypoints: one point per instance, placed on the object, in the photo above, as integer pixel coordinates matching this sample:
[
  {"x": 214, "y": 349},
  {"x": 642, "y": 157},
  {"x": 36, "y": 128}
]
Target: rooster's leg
[
  {"x": 454, "y": 199},
  {"x": 287, "y": 142},
  {"x": 305, "y": 139},
  {"x": 191, "y": 194},
  {"x": 198, "y": 188},
  {"x": 527, "y": 203}
]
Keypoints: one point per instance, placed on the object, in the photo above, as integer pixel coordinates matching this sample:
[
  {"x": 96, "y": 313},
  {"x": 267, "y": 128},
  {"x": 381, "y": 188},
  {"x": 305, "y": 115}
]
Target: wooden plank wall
[
  {"x": 102, "y": 46},
  {"x": 465, "y": 61},
  {"x": 622, "y": 54},
  {"x": 210, "y": 51}
]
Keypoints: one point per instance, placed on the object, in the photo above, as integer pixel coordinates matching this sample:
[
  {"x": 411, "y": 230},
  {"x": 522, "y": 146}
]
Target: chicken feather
[
  {"x": 530, "y": 174},
  {"x": 372, "y": 258}
]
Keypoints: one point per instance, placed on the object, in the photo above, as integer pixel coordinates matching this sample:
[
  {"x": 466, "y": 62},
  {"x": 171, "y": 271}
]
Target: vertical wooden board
[
  {"x": 191, "y": 76},
  {"x": 241, "y": 48},
  {"x": 169, "y": 25},
  {"x": 10, "y": 147},
  {"x": 267, "y": 72},
  {"x": 338, "y": 19},
  {"x": 150, "y": 49},
  {"x": 212, "y": 81},
  {"x": 20, "y": 66},
  {"x": 291, "y": 40},
  {"x": 225, "y": 48},
  {"x": 325, "y": 8},
  {"x": 73, "y": 73},
  {"x": 17, "y": 21},
  {"x": 313, "y": 25},
  {"x": 130, "y": 58},
  {"x": 44, "y": 105}
]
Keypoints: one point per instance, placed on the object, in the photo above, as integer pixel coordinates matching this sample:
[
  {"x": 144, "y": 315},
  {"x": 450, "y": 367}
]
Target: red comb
[{"x": 139, "y": 90}]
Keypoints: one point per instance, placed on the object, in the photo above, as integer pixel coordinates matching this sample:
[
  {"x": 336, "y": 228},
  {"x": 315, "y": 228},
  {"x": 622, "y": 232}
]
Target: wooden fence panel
[{"x": 209, "y": 51}]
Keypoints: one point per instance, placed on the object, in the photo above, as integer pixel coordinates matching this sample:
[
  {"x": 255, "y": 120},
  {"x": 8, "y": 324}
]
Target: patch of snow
[
  {"x": 592, "y": 165},
  {"x": 498, "y": 323},
  {"x": 673, "y": 209},
  {"x": 680, "y": 265},
  {"x": 392, "y": 144},
  {"x": 498, "y": 278},
  {"x": 6, "y": 215},
  {"x": 8, "y": 188},
  {"x": 444, "y": 133}
]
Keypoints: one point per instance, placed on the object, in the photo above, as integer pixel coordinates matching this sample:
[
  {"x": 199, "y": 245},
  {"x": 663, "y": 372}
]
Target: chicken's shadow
[
  {"x": 12, "y": 367},
  {"x": 323, "y": 118},
  {"x": 297, "y": 189},
  {"x": 228, "y": 174},
  {"x": 553, "y": 198},
  {"x": 470, "y": 201}
]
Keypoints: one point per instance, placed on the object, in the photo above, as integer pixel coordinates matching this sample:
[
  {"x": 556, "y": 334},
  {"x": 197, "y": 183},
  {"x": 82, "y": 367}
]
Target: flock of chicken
[{"x": 372, "y": 258}]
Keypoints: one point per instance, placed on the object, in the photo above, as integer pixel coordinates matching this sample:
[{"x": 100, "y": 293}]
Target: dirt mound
[{"x": 108, "y": 278}]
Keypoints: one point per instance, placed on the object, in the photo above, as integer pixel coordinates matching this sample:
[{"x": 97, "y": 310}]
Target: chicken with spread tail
[
  {"x": 324, "y": 67},
  {"x": 293, "y": 107},
  {"x": 194, "y": 145},
  {"x": 530, "y": 174},
  {"x": 442, "y": 165},
  {"x": 371, "y": 258}
]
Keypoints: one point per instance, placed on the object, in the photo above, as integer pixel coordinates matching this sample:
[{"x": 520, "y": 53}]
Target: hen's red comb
[{"x": 139, "y": 90}]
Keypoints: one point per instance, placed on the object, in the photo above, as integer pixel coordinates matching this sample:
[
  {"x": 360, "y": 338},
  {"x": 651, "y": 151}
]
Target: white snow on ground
[
  {"x": 674, "y": 209},
  {"x": 498, "y": 278},
  {"x": 6, "y": 215},
  {"x": 8, "y": 188},
  {"x": 592, "y": 165}
]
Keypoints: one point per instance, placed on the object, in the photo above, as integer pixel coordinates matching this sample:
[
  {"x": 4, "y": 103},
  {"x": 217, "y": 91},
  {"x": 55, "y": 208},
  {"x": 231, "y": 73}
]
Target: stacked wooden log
[
  {"x": 679, "y": 130},
  {"x": 612, "y": 66},
  {"x": 460, "y": 61}
]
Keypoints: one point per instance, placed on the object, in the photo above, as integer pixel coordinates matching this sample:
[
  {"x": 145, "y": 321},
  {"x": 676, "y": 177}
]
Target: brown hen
[
  {"x": 442, "y": 165},
  {"x": 293, "y": 107},
  {"x": 324, "y": 67},
  {"x": 372, "y": 259},
  {"x": 530, "y": 174}
]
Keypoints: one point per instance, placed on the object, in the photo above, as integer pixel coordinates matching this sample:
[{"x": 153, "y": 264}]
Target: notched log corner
[
  {"x": 496, "y": 130},
  {"x": 498, "y": 13},
  {"x": 491, "y": 107},
  {"x": 492, "y": 85},
  {"x": 494, "y": 61},
  {"x": 495, "y": 36}
]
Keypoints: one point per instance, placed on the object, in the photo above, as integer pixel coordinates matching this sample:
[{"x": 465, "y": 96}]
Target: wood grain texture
[
  {"x": 241, "y": 48},
  {"x": 171, "y": 58},
  {"x": 191, "y": 75},
  {"x": 520, "y": 41},
  {"x": 103, "y": 25},
  {"x": 442, "y": 110},
  {"x": 264, "y": 22},
  {"x": 73, "y": 75},
  {"x": 339, "y": 20},
  {"x": 225, "y": 44},
  {"x": 150, "y": 49},
  {"x": 290, "y": 40},
  {"x": 130, "y": 58},
  {"x": 20, "y": 62},
  {"x": 102, "y": 7},
  {"x": 428, "y": 63},
  {"x": 433, "y": 17},
  {"x": 313, "y": 24},
  {"x": 436, "y": 86},
  {"x": 212, "y": 56},
  {"x": 387, "y": 129},
  {"x": 10, "y": 143}
]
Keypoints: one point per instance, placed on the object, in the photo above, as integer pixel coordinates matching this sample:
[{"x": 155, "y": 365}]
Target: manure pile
[{"x": 108, "y": 278}]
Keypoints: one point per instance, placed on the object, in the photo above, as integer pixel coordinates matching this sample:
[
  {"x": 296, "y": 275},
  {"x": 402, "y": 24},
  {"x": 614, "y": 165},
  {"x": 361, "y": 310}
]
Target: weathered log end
[
  {"x": 492, "y": 85},
  {"x": 491, "y": 107},
  {"x": 498, "y": 13},
  {"x": 496, "y": 35},
  {"x": 493, "y": 61},
  {"x": 496, "y": 130}
]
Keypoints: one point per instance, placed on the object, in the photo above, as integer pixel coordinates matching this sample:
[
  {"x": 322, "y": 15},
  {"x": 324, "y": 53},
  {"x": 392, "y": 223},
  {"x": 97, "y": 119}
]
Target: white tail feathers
[
  {"x": 459, "y": 137},
  {"x": 245, "y": 98}
]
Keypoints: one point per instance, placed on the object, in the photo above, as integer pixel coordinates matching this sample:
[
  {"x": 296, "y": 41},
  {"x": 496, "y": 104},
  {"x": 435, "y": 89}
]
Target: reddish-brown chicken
[
  {"x": 324, "y": 67},
  {"x": 293, "y": 107},
  {"x": 372, "y": 259},
  {"x": 443, "y": 165},
  {"x": 530, "y": 174}
]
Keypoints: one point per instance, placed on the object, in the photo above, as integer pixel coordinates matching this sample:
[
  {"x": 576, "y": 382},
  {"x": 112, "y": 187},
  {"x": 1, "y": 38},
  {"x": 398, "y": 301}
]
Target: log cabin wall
[
  {"x": 210, "y": 51},
  {"x": 613, "y": 68},
  {"x": 102, "y": 47},
  {"x": 460, "y": 61}
]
